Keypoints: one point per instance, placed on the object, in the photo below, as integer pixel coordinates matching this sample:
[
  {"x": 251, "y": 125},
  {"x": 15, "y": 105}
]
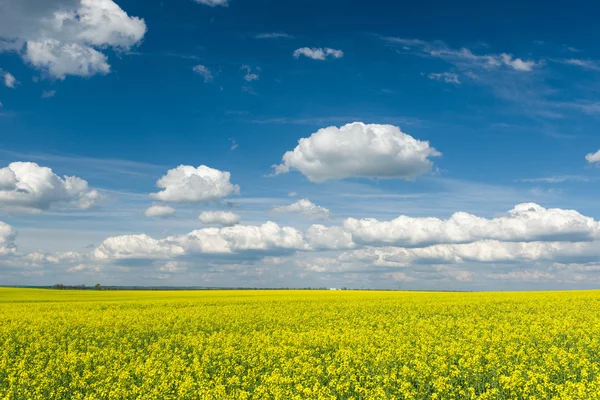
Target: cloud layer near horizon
[{"x": 528, "y": 233}]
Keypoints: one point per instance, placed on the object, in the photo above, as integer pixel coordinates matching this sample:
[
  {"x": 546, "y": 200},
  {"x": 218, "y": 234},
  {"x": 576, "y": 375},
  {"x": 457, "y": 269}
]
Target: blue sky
[{"x": 473, "y": 109}]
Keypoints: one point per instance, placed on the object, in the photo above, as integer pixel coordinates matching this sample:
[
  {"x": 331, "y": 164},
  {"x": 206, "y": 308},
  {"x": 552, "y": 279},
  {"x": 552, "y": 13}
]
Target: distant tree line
[{"x": 60, "y": 286}]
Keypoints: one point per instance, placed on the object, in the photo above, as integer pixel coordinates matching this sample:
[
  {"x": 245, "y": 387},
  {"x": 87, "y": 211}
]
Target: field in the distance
[{"x": 298, "y": 345}]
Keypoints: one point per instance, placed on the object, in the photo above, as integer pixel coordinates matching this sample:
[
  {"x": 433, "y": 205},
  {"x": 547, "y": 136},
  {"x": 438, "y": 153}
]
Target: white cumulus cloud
[
  {"x": 186, "y": 184},
  {"x": 238, "y": 238},
  {"x": 136, "y": 247},
  {"x": 225, "y": 218},
  {"x": 228, "y": 240},
  {"x": 305, "y": 207},
  {"x": 485, "y": 251},
  {"x": 317, "y": 53},
  {"x": 68, "y": 37},
  {"x": 62, "y": 59},
  {"x": 526, "y": 222},
  {"x": 28, "y": 186},
  {"x": 159, "y": 211},
  {"x": 593, "y": 157},
  {"x": 359, "y": 150}
]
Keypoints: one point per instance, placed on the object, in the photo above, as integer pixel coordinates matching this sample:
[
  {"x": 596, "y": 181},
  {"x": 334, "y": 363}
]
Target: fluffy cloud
[
  {"x": 268, "y": 236},
  {"x": 61, "y": 59},
  {"x": 228, "y": 240},
  {"x": 213, "y": 3},
  {"x": 306, "y": 208},
  {"x": 87, "y": 198},
  {"x": 224, "y": 218},
  {"x": 136, "y": 247},
  {"x": 9, "y": 80},
  {"x": 593, "y": 157},
  {"x": 318, "y": 53},
  {"x": 7, "y": 237},
  {"x": 8, "y": 179},
  {"x": 28, "y": 186},
  {"x": 159, "y": 211},
  {"x": 186, "y": 184},
  {"x": 359, "y": 150},
  {"x": 67, "y": 37},
  {"x": 205, "y": 72},
  {"x": 526, "y": 222}
]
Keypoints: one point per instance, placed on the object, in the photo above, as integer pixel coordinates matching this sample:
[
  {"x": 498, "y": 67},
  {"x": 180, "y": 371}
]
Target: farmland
[{"x": 298, "y": 345}]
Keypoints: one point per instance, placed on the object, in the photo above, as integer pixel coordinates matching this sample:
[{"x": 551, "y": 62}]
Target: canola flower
[{"x": 298, "y": 345}]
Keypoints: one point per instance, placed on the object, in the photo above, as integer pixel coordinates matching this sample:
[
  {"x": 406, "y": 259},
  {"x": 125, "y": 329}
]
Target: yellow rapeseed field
[{"x": 298, "y": 345}]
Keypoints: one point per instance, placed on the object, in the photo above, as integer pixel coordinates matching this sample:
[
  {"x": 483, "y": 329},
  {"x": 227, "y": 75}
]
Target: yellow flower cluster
[{"x": 298, "y": 345}]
